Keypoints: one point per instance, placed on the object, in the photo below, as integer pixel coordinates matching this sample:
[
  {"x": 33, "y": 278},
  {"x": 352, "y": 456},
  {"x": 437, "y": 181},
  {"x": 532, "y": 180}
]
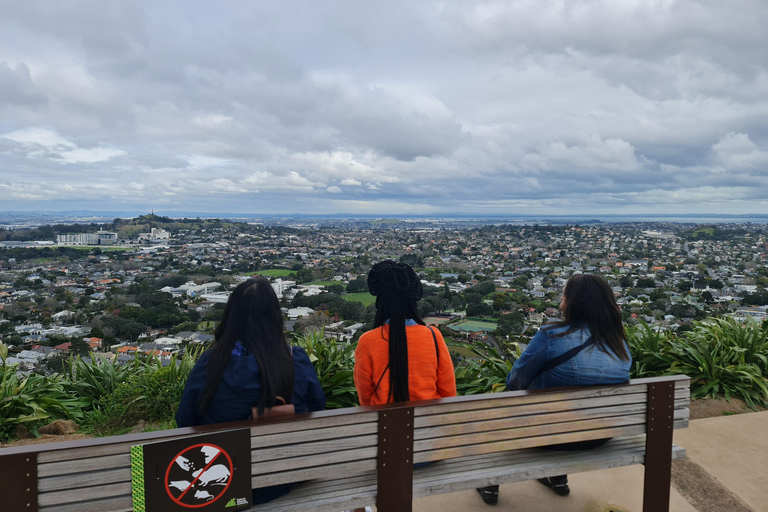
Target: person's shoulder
[
  {"x": 298, "y": 353},
  {"x": 369, "y": 336}
]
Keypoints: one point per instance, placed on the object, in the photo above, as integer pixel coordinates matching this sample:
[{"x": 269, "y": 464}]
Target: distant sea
[{"x": 18, "y": 219}]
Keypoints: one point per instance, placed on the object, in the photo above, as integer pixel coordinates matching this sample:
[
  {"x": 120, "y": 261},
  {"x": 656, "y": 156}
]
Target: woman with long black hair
[
  {"x": 588, "y": 347},
  {"x": 400, "y": 359},
  {"x": 249, "y": 365}
]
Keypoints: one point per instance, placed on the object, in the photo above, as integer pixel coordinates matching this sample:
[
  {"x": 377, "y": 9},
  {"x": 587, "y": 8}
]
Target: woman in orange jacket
[{"x": 400, "y": 359}]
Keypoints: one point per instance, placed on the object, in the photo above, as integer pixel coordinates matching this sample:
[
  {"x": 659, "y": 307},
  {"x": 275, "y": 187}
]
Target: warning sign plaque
[{"x": 210, "y": 472}]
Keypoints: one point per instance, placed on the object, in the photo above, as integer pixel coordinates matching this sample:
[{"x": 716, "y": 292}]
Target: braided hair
[{"x": 397, "y": 289}]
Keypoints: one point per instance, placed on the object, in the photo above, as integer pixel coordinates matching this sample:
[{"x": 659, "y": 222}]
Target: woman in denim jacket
[{"x": 588, "y": 347}]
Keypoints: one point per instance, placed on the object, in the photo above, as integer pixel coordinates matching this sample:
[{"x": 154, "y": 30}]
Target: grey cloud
[
  {"x": 570, "y": 105},
  {"x": 17, "y": 87}
]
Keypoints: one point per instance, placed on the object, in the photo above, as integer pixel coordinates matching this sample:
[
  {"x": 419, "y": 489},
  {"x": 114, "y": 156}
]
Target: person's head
[
  {"x": 589, "y": 301},
  {"x": 252, "y": 316},
  {"x": 397, "y": 289}
]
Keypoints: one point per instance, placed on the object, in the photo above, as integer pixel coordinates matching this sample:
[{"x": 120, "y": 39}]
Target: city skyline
[{"x": 485, "y": 108}]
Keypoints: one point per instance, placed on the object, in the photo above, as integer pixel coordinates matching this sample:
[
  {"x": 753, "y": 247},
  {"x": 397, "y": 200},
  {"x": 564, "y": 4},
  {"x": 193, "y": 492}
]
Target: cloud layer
[{"x": 535, "y": 106}]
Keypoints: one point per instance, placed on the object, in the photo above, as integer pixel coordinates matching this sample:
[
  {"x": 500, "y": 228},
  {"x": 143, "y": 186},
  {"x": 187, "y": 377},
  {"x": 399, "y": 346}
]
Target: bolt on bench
[{"x": 353, "y": 457}]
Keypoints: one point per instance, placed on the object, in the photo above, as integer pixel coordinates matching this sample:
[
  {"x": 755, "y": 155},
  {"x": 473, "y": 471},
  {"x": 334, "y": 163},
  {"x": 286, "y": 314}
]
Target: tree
[
  {"x": 501, "y": 301},
  {"x": 359, "y": 284},
  {"x": 79, "y": 347},
  {"x": 336, "y": 288},
  {"x": 684, "y": 285},
  {"x": 646, "y": 282},
  {"x": 509, "y": 324},
  {"x": 625, "y": 282},
  {"x": 481, "y": 309},
  {"x": 413, "y": 260}
]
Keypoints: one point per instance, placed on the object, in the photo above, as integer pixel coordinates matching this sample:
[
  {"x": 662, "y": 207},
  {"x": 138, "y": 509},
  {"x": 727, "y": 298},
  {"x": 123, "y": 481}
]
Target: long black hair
[
  {"x": 252, "y": 316},
  {"x": 589, "y": 301},
  {"x": 397, "y": 289}
]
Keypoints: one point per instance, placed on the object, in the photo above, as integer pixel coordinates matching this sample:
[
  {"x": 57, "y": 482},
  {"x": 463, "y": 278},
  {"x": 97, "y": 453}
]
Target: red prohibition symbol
[{"x": 199, "y": 475}]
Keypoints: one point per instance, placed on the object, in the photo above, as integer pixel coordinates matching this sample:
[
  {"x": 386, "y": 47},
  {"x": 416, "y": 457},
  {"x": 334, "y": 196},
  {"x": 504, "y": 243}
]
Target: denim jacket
[{"x": 589, "y": 367}]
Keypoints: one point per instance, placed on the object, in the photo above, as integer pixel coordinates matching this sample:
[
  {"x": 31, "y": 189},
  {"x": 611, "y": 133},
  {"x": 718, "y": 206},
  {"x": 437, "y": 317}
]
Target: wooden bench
[{"x": 349, "y": 458}]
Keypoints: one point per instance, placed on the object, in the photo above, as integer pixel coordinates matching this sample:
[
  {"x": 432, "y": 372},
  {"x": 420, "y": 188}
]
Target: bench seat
[{"x": 464, "y": 473}]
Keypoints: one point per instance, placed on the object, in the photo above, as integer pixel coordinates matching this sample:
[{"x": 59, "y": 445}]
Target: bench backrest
[{"x": 94, "y": 474}]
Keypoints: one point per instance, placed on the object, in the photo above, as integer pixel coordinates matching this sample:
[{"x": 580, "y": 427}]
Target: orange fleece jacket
[{"x": 426, "y": 379}]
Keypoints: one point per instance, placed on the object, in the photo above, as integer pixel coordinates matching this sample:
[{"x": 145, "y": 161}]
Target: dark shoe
[
  {"x": 489, "y": 494},
  {"x": 559, "y": 484}
]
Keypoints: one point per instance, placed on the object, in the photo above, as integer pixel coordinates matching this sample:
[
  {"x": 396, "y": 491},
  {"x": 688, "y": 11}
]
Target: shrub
[
  {"x": 723, "y": 356},
  {"x": 151, "y": 395},
  {"x": 35, "y": 400},
  {"x": 485, "y": 374},
  {"x": 334, "y": 363}
]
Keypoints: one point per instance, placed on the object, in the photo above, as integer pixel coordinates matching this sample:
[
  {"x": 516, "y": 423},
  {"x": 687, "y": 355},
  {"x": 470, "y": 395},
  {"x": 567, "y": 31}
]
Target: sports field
[
  {"x": 325, "y": 283},
  {"x": 436, "y": 320},
  {"x": 274, "y": 272},
  {"x": 474, "y": 326},
  {"x": 364, "y": 297}
]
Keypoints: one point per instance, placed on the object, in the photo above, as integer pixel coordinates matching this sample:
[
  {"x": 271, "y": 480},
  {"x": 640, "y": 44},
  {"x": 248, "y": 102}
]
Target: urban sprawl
[{"x": 152, "y": 286}]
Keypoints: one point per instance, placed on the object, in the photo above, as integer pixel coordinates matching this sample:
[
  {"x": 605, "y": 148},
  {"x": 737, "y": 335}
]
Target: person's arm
[
  {"x": 446, "y": 377},
  {"x": 362, "y": 373},
  {"x": 315, "y": 396},
  {"x": 188, "y": 414},
  {"x": 532, "y": 359}
]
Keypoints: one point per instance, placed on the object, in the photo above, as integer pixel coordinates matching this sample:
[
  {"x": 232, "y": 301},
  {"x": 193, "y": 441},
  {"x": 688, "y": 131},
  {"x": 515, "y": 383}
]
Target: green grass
[
  {"x": 325, "y": 283},
  {"x": 462, "y": 351},
  {"x": 274, "y": 272},
  {"x": 364, "y": 297}
]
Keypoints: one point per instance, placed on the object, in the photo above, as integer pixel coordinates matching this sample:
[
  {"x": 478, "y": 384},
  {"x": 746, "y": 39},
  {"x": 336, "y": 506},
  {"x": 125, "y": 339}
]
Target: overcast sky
[{"x": 528, "y": 107}]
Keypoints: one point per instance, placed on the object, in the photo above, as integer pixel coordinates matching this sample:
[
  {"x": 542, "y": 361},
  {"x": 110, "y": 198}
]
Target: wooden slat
[
  {"x": 83, "y": 465},
  {"x": 322, "y": 459},
  {"x": 533, "y": 442},
  {"x": 85, "y": 480},
  {"x": 334, "y": 470},
  {"x": 436, "y": 415},
  {"x": 528, "y": 442},
  {"x": 319, "y": 434},
  {"x": 120, "y": 504},
  {"x": 477, "y": 425},
  {"x": 529, "y": 431},
  {"x": 508, "y": 399},
  {"x": 102, "y": 449},
  {"x": 84, "y": 494},
  {"x": 302, "y": 450},
  {"x": 351, "y": 418}
]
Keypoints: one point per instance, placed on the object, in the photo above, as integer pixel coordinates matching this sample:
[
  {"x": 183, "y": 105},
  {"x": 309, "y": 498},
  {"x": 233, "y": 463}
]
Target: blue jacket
[
  {"x": 589, "y": 367},
  {"x": 239, "y": 388}
]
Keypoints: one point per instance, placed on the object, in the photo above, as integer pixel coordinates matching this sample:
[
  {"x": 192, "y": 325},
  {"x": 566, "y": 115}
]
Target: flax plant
[
  {"x": 723, "y": 356},
  {"x": 486, "y": 373},
  {"x": 334, "y": 363}
]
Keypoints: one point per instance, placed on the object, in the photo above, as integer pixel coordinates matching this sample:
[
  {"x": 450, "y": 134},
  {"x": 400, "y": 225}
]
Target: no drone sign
[{"x": 210, "y": 472}]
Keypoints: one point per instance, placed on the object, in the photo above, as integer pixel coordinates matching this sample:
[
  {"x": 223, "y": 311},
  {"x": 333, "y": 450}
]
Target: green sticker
[{"x": 137, "y": 478}]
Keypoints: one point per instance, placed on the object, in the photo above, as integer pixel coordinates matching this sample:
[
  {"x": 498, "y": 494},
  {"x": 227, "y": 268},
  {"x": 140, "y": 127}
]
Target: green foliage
[
  {"x": 96, "y": 378},
  {"x": 334, "y": 363},
  {"x": 721, "y": 355},
  {"x": 649, "y": 349},
  {"x": 151, "y": 395},
  {"x": 487, "y": 373},
  {"x": 34, "y": 400}
]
